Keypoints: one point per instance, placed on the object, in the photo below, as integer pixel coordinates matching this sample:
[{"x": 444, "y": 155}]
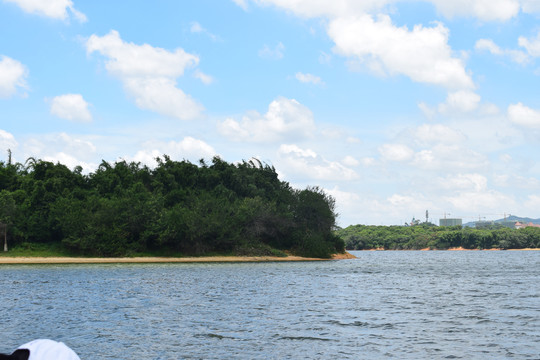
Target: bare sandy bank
[{"x": 150, "y": 260}]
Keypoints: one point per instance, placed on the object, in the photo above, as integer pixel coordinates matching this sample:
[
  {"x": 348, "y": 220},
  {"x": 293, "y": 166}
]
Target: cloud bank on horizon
[{"x": 394, "y": 107}]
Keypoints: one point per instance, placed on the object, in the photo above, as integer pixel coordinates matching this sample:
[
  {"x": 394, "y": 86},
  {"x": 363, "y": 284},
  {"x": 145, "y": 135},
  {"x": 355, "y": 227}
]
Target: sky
[{"x": 392, "y": 107}]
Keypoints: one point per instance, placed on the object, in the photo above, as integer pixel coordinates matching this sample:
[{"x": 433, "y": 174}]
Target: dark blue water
[{"x": 402, "y": 305}]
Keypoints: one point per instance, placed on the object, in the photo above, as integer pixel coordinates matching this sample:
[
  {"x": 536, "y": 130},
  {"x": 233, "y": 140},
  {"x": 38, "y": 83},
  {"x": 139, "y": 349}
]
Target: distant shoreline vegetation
[
  {"x": 428, "y": 236},
  {"x": 177, "y": 209}
]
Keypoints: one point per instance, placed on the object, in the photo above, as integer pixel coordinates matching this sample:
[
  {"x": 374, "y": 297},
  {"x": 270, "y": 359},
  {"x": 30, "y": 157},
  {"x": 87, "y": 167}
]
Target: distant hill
[{"x": 509, "y": 218}]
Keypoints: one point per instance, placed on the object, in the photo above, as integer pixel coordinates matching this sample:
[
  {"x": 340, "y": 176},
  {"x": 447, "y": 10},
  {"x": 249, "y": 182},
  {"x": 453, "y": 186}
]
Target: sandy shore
[{"x": 149, "y": 260}]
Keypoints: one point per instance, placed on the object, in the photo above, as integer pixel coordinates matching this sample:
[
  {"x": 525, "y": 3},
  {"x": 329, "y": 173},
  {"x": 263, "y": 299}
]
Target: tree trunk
[{"x": 5, "y": 237}]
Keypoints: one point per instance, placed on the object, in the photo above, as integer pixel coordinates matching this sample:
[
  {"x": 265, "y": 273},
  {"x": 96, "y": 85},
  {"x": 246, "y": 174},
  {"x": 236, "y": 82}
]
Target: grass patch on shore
[
  {"x": 27, "y": 249},
  {"x": 37, "y": 250}
]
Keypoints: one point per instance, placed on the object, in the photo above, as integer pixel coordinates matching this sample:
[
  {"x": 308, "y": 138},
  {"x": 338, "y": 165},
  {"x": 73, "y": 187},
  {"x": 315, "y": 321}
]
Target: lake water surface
[{"x": 387, "y": 304}]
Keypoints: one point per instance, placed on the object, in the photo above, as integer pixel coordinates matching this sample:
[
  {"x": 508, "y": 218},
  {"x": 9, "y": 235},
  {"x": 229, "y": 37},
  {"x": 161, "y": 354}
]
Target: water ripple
[{"x": 403, "y": 305}]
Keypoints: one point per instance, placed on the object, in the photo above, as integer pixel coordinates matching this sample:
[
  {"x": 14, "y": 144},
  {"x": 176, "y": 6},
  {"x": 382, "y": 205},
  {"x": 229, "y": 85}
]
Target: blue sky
[{"x": 393, "y": 107}]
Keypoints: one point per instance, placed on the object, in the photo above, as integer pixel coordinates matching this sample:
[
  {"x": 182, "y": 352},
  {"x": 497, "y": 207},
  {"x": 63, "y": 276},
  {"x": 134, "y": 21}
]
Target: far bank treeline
[
  {"x": 176, "y": 208},
  {"x": 366, "y": 237}
]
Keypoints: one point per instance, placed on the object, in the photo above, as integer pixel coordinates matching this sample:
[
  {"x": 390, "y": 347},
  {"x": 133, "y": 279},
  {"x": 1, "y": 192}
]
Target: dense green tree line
[
  {"x": 177, "y": 207},
  {"x": 363, "y": 237}
]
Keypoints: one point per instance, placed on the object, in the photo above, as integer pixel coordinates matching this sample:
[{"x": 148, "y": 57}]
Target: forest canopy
[
  {"x": 178, "y": 207},
  {"x": 367, "y": 237}
]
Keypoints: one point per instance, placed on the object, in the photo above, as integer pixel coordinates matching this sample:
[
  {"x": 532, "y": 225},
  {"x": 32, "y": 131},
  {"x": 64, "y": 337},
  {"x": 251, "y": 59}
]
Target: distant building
[
  {"x": 522, "y": 225},
  {"x": 450, "y": 222}
]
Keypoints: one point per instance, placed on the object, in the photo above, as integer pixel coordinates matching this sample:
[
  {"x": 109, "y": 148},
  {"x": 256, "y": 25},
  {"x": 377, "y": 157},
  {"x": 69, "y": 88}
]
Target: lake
[{"x": 385, "y": 304}]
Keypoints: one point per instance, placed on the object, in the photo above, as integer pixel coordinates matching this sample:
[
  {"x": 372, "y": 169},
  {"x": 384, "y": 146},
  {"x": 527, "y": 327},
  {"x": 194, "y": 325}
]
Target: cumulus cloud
[
  {"x": 396, "y": 152},
  {"x": 516, "y": 56},
  {"x": 524, "y": 116},
  {"x": 71, "y": 107},
  {"x": 530, "y": 6},
  {"x": 422, "y": 54},
  {"x": 308, "y": 78},
  {"x": 479, "y": 201},
  {"x": 532, "y": 45},
  {"x": 285, "y": 118},
  {"x": 463, "y": 182},
  {"x": 7, "y": 140},
  {"x": 70, "y": 161},
  {"x": 241, "y": 3},
  {"x": 275, "y": 53},
  {"x": 197, "y": 28},
  {"x": 322, "y": 8},
  {"x": 449, "y": 157},
  {"x": 188, "y": 148},
  {"x": 307, "y": 163},
  {"x": 486, "y": 10},
  {"x": 148, "y": 74},
  {"x": 460, "y": 101},
  {"x": 428, "y": 134},
  {"x": 67, "y": 149},
  {"x": 350, "y": 161},
  {"x": 56, "y": 9},
  {"x": 13, "y": 76},
  {"x": 206, "y": 79}
]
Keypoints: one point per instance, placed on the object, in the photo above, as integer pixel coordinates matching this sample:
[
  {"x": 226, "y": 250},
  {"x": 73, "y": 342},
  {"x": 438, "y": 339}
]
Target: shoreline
[
  {"x": 156, "y": 260},
  {"x": 453, "y": 249}
]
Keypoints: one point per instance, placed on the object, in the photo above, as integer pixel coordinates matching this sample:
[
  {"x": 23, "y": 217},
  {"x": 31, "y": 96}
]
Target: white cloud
[
  {"x": 297, "y": 151},
  {"x": 241, "y": 3},
  {"x": 275, "y": 53},
  {"x": 56, "y": 9},
  {"x": 325, "y": 58},
  {"x": 74, "y": 145},
  {"x": 532, "y": 45},
  {"x": 70, "y": 161},
  {"x": 516, "y": 56},
  {"x": 524, "y": 116},
  {"x": 206, "y": 79},
  {"x": 463, "y": 182},
  {"x": 148, "y": 74},
  {"x": 533, "y": 203},
  {"x": 422, "y": 54},
  {"x": 530, "y": 6},
  {"x": 162, "y": 96},
  {"x": 427, "y": 134},
  {"x": 317, "y": 8},
  {"x": 71, "y": 107},
  {"x": 450, "y": 157},
  {"x": 286, "y": 118},
  {"x": 350, "y": 161},
  {"x": 7, "y": 140},
  {"x": 197, "y": 28},
  {"x": 460, "y": 101},
  {"x": 479, "y": 201},
  {"x": 306, "y": 163},
  {"x": 189, "y": 149},
  {"x": 308, "y": 78},
  {"x": 67, "y": 149},
  {"x": 486, "y": 10},
  {"x": 368, "y": 161},
  {"x": 12, "y": 76},
  {"x": 396, "y": 152}
]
